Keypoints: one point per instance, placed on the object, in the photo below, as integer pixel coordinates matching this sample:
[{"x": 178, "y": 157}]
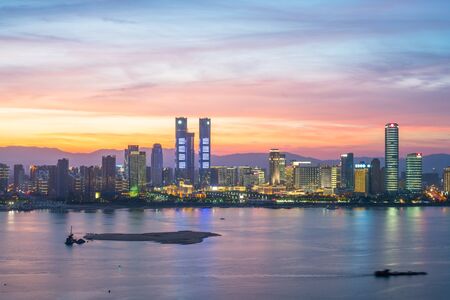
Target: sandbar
[{"x": 178, "y": 237}]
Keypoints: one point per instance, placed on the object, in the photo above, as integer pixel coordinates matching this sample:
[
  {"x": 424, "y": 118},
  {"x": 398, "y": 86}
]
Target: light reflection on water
[{"x": 262, "y": 253}]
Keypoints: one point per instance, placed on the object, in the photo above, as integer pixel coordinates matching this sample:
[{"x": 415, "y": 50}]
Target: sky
[{"x": 317, "y": 78}]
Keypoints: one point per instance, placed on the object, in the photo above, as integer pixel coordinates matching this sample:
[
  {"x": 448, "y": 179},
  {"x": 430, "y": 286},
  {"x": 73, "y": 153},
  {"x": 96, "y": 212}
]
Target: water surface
[{"x": 308, "y": 253}]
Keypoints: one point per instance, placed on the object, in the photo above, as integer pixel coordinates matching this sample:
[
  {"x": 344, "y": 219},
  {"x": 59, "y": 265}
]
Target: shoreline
[{"x": 139, "y": 206}]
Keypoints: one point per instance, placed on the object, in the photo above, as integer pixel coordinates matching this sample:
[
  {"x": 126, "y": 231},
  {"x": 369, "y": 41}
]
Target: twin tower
[{"x": 185, "y": 152}]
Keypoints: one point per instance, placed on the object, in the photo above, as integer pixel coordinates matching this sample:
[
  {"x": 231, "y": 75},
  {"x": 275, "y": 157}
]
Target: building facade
[
  {"x": 184, "y": 152},
  {"x": 277, "y": 167},
  {"x": 391, "y": 157},
  {"x": 108, "y": 175},
  {"x": 157, "y": 166},
  {"x": 347, "y": 171},
  {"x": 204, "y": 152},
  {"x": 414, "y": 172}
]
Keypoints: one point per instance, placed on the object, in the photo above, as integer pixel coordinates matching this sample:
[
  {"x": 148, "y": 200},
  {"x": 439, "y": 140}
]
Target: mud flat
[{"x": 179, "y": 237}]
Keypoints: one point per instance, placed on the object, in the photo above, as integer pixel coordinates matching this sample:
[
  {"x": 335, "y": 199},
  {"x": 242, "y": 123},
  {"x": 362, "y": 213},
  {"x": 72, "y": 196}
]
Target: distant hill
[{"x": 36, "y": 155}]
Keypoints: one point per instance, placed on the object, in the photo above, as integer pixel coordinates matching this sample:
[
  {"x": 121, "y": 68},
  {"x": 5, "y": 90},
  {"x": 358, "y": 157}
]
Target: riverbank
[
  {"x": 92, "y": 207},
  {"x": 179, "y": 237}
]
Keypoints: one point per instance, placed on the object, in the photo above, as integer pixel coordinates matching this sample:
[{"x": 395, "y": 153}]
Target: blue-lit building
[
  {"x": 204, "y": 152},
  {"x": 184, "y": 152},
  {"x": 391, "y": 157},
  {"x": 347, "y": 171}
]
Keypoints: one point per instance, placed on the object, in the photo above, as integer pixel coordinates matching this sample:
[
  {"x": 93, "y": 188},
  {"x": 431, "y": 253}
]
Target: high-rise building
[
  {"x": 4, "y": 175},
  {"x": 184, "y": 152},
  {"x": 62, "y": 178},
  {"x": 325, "y": 179},
  {"x": 347, "y": 172},
  {"x": 19, "y": 175},
  {"x": 446, "y": 178},
  {"x": 335, "y": 178},
  {"x": 306, "y": 176},
  {"x": 137, "y": 172},
  {"x": 127, "y": 153},
  {"x": 205, "y": 152},
  {"x": 362, "y": 173},
  {"x": 414, "y": 172},
  {"x": 168, "y": 176},
  {"x": 157, "y": 166},
  {"x": 376, "y": 178},
  {"x": 391, "y": 157},
  {"x": 109, "y": 175},
  {"x": 277, "y": 167}
]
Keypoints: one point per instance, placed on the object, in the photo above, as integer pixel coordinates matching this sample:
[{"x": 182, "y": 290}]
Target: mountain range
[{"x": 40, "y": 156}]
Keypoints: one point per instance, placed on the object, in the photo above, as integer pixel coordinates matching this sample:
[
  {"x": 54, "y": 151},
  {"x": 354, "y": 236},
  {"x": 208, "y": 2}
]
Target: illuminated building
[
  {"x": 362, "y": 173},
  {"x": 347, "y": 172},
  {"x": 289, "y": 173},
  {"x": 376, "y": 178},
  {"x": 306, "y": 176},
  {"x": 157, "y": 166},
  {"x": 277, "y": 165},
  {"x": 19, "y": 175},
  {"x": 184, "y": 152},
  {"x": 137, "y": 172},
  {"x": 325, "y": 179},
  {"x": 108, "y": 175},
  {"x": 62, "y": 178},
  {"x": 224, "y": 176},
  {"x": 335, "y": 178},
  {"x": 4, "y": 175},
  {"x": 391, "y": 157},
  {"x": 204, "y": 151},
  {"x": 446, "y": 177},
  {"x": 414, "y": 172},
  {"x": 127, "y": 153}
]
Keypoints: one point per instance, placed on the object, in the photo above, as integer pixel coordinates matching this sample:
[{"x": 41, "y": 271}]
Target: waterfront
[{"x": 309, "y": 253}]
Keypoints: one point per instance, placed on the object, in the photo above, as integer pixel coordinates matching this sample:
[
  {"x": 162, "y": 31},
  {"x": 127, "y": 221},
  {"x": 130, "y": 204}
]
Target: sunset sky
[{"x": 316, "y": 78}]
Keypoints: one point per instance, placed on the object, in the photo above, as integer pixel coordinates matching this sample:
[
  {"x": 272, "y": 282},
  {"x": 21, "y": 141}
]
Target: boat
[
  {"x": 70, "y": 240},
  {"x": 388, "y": 273}
]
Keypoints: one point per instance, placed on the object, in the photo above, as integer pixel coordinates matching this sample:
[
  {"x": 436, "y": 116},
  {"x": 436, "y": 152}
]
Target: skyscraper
[
  {"x": 62, "y": 178},
  {"x": 205, "y": 152},
  {"x": 446, "y": 178},
  {"x": 277, "y": 167},
  {"x": 157, "y": 166},
  {"x": 347, "y": 172},
  {"x": 335, "y": 178},
  {"x": 391, "y": 157},
  {"x": 4, "y": 174},
  {"x": 414, "y": 172},
  {"x": 19, "y": 174},
  {"x": 109, "y": 175},
  {"x": 184, "y": 152},
  {"x": 126, "y": 154},
  {"x": 376, "y": 178},
  {"x": 137, "y": 172}
]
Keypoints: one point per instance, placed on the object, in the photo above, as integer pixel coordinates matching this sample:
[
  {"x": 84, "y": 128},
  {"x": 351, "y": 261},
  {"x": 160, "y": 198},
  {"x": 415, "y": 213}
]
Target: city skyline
[{"x": 317, "y": 84}]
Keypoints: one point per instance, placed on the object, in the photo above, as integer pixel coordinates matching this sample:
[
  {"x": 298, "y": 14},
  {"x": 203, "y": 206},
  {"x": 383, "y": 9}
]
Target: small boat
[
  {"x": 388, "y": 273},
  {"x": 70, "y": 240}
]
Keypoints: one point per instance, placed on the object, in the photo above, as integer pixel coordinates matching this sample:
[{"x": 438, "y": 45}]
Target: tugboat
[
  {"x": 70, "y": 240},
  {"x": 388, "y": 273}
]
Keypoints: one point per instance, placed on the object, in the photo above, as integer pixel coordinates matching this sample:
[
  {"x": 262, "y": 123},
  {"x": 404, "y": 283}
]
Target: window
[
  {"x": 205, "y": 141},
  {"x": 182, "y": 149},
  {"x": 205, "y": 156},
  {"x": 182, "y": 141},
  {"x": 181, "y": 156},
  {"x": 182, "y": 165},
  {"x": 205, "y": 149},
  {"x": 205, "y": 165}
]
